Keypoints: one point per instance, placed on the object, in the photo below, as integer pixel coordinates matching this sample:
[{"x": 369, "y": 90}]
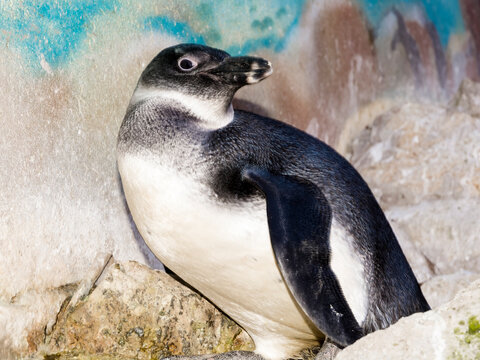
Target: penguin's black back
[{"x": 253, "y": 140}]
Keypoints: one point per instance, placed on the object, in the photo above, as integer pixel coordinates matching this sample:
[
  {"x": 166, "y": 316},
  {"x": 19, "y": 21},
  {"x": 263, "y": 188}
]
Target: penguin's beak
[{"x": 242, "y": 70}]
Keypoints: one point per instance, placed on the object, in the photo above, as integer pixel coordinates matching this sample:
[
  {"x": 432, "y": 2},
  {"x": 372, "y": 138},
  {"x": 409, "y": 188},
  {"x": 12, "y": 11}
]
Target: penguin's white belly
[{"x": 221, "y": 249}]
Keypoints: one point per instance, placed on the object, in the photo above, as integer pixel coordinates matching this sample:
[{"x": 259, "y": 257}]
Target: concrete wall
[{"x": 68, "y": 68}]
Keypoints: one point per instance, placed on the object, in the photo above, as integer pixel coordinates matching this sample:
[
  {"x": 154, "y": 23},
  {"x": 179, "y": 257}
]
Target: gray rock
[
  {"x": 422, "y": 162},
  {"x": 423, "y": 268},
  {"x": 443, "y": 288},
  {"x": 452, "y": 331},
  {"x": 24, "y": 319},
  {"x": 418, "y": 152},
  {"x": 445, "y": 231}
]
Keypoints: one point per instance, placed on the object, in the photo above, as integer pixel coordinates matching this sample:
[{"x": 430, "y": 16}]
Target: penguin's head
[
  {"x": 202, "y": 79},
  {"x": 203, "y": 71}
]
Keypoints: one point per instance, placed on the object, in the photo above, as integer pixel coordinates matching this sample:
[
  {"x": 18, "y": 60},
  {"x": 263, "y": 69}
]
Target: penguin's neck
[{"x": 213, "y": 113}]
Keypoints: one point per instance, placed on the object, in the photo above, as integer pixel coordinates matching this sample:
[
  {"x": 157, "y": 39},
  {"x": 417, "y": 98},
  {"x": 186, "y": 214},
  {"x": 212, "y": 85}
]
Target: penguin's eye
[{"x": 186, "y": 64}]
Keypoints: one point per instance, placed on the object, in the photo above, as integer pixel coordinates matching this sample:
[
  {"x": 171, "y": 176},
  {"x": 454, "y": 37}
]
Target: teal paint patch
[
  {"x": 167, "y": 26},
  {"x": 263, "y": 25},
  {"x": 240, "y": 27},
  {"x": 49, "y": 30},
  {"x": 54, "y": 30},
  {"x": 446, "y": 15}
]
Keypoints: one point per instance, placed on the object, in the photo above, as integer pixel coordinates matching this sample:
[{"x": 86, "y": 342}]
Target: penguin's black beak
[{"x": 242, "y": 70}]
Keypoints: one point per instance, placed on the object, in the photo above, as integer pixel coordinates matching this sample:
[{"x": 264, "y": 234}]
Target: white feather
[
  {"x": 211, "y": 111},
  {"x": 222, "y": 250},
  {"x": 348, "y": 268}
]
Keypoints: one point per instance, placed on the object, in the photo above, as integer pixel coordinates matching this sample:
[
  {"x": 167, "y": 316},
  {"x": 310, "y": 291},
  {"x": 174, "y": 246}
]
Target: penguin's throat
[{"x": 213, "y": 113}]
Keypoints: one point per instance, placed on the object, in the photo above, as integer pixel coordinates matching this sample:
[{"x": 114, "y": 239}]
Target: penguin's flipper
[{"x": 299, "y": 220}]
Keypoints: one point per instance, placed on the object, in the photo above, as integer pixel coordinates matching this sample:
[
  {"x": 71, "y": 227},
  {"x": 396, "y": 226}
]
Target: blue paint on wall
[
  {"x": 55, "y": 29},
  {"x": 446, "y": 15},
  {"x": 239, "y": 27},
  {"x": 171, "y": 27},
  {"x": 51, "y": 29}
]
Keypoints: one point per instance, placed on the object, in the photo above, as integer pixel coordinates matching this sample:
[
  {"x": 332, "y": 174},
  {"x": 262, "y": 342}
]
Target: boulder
[{"x": 452, "y": 331}]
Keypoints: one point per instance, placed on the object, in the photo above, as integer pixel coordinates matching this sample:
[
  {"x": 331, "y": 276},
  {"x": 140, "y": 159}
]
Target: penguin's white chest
[{"x": 221, "y": 249}]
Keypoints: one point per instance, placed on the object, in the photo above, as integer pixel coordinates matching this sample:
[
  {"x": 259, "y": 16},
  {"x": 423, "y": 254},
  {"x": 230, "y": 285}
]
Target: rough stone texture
[
  {"x": 423, "y": 268},
  {"x": 417, "y": 152},
  {"x": 443, "y": 288},
  {"x": 61, "y": 203},
  {"x": 24, "y": 319},
  {"x": 132, "y": 313},
  {"x": 446, "y": 232},
  {"x": 452, "y": 331},
  {"x": 422, "y": 161},
  {"x": 136, "y": 312}
]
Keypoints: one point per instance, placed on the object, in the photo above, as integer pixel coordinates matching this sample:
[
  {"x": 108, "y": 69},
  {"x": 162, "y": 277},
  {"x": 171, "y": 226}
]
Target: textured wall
[{"x": 68, "y": 68}]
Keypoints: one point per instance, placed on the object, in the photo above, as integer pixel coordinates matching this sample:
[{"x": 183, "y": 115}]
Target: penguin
[{"x": 269, "y": 223}]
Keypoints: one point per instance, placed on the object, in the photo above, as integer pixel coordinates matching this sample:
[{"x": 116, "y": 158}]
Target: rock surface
[
  {"x": 422, "y": 161},
  {"x": 137, "y": 313},
  {"x": 443, "y": 288},
  {"x": 445, "y": 231},
  {"x": 451, "y": 331},
  {"x": 23, "y": 320},
  {"x": 418, "y": 152}
]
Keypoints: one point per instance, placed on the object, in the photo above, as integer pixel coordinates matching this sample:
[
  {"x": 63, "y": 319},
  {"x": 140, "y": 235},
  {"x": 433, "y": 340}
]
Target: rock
[
  {"x": 443, "y": 288},
  {"x": 418, "y": 152},
  {"x": 119, "y": 311},
  {"x": 446, "y": 232},
  {"x": 25, "y": 318},
  {"x": 30, "y": 314},
  {"x": 136, "y": 312},
  {"x": 422, "y": 163},
  {"x": 61, "y": 202},
  {"x": 452, "y": 331}
]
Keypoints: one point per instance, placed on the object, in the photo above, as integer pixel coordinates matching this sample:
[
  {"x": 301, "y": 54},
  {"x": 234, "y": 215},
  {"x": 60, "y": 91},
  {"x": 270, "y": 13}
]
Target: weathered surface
[
  {"x": 422, "y": 161},
  {"x": 23, "y": 320},
  {"x": 451, "y": 331},
  {"x": 445, "y": 231},
  {"x": 418, "y": 152},
  {"x": 136, "y": 312},
  {"x": 443, "y": 288}
]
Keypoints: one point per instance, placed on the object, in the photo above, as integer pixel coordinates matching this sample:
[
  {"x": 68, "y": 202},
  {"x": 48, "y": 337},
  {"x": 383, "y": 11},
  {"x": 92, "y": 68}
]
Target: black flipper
[{"x": 299, "y": 219}]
